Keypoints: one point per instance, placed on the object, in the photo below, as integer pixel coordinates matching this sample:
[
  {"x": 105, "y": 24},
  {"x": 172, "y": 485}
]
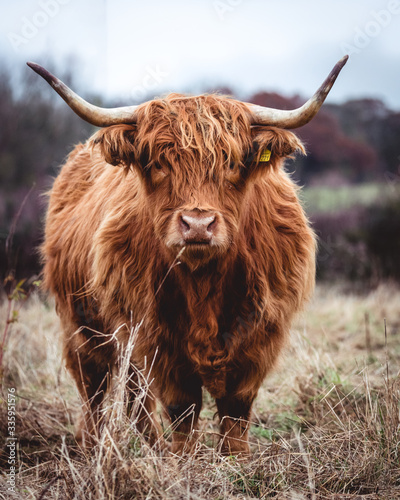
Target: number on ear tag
[{"x": 265, "y": 155}]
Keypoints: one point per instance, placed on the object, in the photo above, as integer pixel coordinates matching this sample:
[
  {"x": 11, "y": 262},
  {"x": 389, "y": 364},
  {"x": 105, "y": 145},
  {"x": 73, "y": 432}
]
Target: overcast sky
[{"x": 129, "y": 49}]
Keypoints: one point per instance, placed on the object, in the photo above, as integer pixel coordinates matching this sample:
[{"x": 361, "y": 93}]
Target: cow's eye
[
  {"x": 233, "y": 172},
  {"x": 158, "y": 168},
  {"x": 158, "y": 172}
]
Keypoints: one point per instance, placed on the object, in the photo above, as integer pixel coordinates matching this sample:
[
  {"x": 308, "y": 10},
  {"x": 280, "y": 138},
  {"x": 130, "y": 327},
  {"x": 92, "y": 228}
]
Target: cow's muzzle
[
  {"x": 198, "y": 228},
  {"x": 203, "y": 233}
]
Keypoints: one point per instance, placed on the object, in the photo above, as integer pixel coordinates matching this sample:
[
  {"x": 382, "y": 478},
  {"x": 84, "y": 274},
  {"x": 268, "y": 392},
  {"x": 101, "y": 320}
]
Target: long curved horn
[
  {"x": 101, "y": 117},
  {"x": 297, "y": 117}
]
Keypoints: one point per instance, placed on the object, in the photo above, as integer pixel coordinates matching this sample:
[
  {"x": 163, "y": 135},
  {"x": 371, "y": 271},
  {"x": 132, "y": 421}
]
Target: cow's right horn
[{"x": 101, "y": 117}]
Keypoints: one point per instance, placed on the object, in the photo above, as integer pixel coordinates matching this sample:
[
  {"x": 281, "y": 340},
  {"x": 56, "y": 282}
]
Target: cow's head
[{"x": 195, "y": 156}]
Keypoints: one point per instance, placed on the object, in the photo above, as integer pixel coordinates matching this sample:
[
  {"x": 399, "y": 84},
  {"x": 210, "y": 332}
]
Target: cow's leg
[
  {"x": 234, "y": 413},
  {"x": 91, "y": 370},
  {"x": 142, "y": 408},
  {"x": 183, "y": 404}
]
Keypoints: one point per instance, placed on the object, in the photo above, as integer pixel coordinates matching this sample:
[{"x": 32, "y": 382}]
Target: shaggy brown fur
[{"x": 219, "y": 319}]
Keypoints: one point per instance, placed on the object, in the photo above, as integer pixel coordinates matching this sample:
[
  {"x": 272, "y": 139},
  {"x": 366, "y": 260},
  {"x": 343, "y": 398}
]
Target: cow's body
[{"x": 121, "y": 248}]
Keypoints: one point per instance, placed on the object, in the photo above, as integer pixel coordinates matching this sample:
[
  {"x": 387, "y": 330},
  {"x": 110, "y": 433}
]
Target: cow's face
[{"x": 196, "y": 158}]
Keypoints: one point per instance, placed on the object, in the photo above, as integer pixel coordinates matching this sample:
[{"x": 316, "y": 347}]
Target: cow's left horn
[
  {"x": 297, "y": 117},
  {"x": 101, "y": 117}
]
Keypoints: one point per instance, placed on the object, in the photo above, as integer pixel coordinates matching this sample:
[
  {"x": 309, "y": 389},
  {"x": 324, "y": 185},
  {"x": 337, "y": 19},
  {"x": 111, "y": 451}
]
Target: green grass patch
[{"x": 322, "y": 199}]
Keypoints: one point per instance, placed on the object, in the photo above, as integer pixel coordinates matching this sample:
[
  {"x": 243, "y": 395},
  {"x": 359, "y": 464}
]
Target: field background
[{"x": 325, "y": 424}]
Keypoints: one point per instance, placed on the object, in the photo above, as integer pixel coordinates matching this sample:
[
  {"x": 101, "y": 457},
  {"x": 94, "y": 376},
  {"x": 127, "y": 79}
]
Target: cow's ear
[
  {"x": 116, "y": 144},
  {"x": 271, "y": 144}
]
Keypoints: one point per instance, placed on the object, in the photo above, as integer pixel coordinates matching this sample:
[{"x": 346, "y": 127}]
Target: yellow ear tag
[{"x": 265, "y": 155}]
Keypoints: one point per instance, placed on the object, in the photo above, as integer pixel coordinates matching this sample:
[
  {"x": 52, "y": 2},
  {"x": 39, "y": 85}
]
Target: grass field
[
  {"x": 324, "y": 199},
  {"x": 325, "y": 425}
]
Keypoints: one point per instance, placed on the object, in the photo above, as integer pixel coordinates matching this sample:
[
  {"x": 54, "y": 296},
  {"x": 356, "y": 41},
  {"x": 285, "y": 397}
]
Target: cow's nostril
[
  {"x": 213, "y": 224},
  {"x": 185, "y": 225}
]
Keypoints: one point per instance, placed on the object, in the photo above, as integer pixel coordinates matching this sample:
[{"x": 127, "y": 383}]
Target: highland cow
[{"x": 178, "y": 215}]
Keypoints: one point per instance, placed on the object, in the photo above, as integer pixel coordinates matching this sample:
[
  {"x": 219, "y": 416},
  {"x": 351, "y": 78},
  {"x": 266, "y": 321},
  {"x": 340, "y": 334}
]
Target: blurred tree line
[
  {"x": 355, "y": 142},
  {"x": 37, "y": 132}
]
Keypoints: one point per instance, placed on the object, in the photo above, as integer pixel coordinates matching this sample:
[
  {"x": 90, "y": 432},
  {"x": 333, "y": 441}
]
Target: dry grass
[{"x": 326, "y": 423}]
